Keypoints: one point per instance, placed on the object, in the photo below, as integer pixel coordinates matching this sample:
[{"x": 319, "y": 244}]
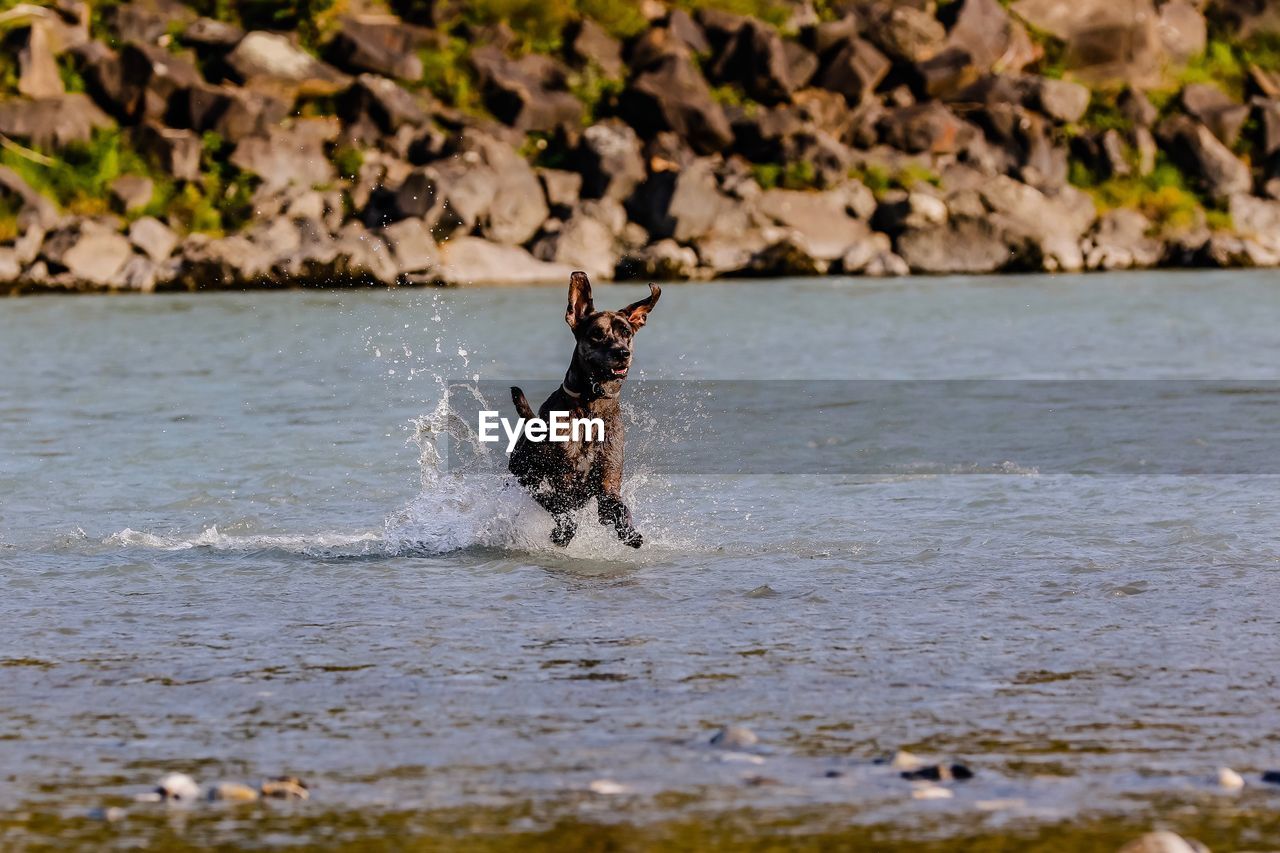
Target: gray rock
[
  {"x": 1256, "y": 220},
  {"x": 382, "y": 101},
  {"x": 1183, "y": 30},
  {"x": 207, "y": 32},
  {"x": 665, "y": 260},
  {"x": 982, "y": 37},
  {"x": 1195, "y": 148},
  {"x": 10, "y": 266},
  {"x": 231, "y": 792},
  {"x": 376, "y": 44},
  {"x": 38, "y": 75},
  {"x": 288, "y": 154},
  {"x": 673, "y": 95},
  {"x": 561, "y": 188},
  {"x": 1060, "y": 99},
  {"x": 818, "y": 217},
  {"x": 412, "y": 246},
  {"x": 899, "y": 210},
  {"x": 682, "y": 204},
  {"x": 610, "y": 160},
  {"x": 207, "y": 263},
  {"x": 524, "y": 93},
  {"x": 1163, "y": 841},
  {"x": 153, "y": 237},
  {"x": 904, "y": 32},
  {"x": 583, "y": 243},
  {"x": 150, "y": 77},
  {"x": 175, "y": 152},
  {"x": 1212, "y": 106},
  {"x": 52, "y": 122},
  {"x": 138, "y": 274},
  {"x": 132, "y": 192},
  {"x": 734, "y": 737},
  {"x": 886, "y": 265},
  {"x": 1107, "y": 42},
  {"x": 588, "y": 44},
  {"x": 970, "y": 246},
  {"x": 267, "y": 56},
  {"x": 854, "y": 70},
  {"x": 1051, "y": 227},
  {"x": 471, "y": 260},
  {"x": 35, "y": 208},
  {"x": 89, "y": 252},
  {"x": 861, "y": 254}
]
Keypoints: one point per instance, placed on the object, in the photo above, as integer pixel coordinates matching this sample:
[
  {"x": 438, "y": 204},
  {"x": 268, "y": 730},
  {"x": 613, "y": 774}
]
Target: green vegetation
[
  {"x": 1163, "y": 196},
  {"x": 880, "y": 180},
  {"x": 596, "y": 91},
  {"x": 446, "y": 73},
  {"x": 347, "y": 161},
  {"x": 796, "y": 175}
]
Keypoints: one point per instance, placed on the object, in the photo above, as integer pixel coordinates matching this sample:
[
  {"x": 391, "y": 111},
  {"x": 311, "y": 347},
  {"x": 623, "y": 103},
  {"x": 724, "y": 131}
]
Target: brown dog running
[{"x": 563, "y": 476}]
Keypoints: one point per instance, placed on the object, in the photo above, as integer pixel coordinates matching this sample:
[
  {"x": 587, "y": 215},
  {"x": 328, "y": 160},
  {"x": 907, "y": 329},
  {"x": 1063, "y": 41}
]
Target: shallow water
[{"x": 223, "y": 551}]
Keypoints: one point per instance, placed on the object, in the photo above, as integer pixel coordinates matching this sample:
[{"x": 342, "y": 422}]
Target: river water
[{"x": 226, "y": 549}]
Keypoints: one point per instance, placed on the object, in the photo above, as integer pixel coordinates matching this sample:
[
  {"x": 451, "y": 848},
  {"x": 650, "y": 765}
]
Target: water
[{"x": 223, "y": 551}]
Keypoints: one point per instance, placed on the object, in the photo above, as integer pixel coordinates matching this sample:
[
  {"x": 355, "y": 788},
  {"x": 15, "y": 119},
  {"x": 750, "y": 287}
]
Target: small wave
[{"x": 212, "y": 538}]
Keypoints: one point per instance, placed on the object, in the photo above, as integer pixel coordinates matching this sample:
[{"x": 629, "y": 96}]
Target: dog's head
[{"x": 605, "y": 337}]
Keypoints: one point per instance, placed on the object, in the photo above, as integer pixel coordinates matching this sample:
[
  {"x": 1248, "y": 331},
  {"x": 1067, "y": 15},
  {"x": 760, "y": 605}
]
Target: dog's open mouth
[{"x": 619, "y": 371}]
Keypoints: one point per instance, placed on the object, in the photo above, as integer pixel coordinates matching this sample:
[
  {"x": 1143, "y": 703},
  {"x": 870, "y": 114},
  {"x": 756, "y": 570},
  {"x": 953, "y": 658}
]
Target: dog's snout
[{"x": 622, "y": 352}]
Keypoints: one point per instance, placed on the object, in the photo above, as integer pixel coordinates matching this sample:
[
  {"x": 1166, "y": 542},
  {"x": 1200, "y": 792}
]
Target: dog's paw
[
  {"x": 630, "y": 537},
  {"x": 563, "y": 533}
]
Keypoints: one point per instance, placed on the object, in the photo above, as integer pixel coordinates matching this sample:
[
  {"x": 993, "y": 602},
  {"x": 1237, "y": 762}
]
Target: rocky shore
[{"x": 152, "y": 145}]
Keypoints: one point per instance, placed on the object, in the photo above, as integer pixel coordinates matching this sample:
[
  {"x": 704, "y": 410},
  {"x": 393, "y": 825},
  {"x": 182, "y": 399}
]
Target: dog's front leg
[{"x": 614, "y": 512}]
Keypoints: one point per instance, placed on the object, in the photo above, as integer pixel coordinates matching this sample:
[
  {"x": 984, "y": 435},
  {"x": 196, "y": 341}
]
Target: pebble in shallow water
[
  {"x": 1272, "y": 776},
  {"x": 1229, "y": 779},
  {"x": 1163, "y": 841},
  {"x": 931, "y": 792},
  {"x": 939, "y": 773},
  {"x": 174, "y": 787},
  {"x": 285, "y": 788},
  {"x": 232, "y": 792},
  {"x": 734, "y": 737}
]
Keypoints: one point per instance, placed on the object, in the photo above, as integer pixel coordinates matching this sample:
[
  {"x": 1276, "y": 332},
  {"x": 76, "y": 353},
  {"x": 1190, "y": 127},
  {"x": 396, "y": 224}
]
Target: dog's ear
[
  {"x": 580, "y": 305},
  {"x": 637, "y": 312}
]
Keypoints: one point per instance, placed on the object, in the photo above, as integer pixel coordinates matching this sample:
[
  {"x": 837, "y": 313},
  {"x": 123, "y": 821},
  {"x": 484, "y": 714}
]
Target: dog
[{"x": 563, "y": 476}]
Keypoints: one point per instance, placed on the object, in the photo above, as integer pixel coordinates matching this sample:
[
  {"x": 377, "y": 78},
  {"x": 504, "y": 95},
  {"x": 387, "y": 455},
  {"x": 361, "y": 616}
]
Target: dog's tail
[{"x": 523, "y": 408}]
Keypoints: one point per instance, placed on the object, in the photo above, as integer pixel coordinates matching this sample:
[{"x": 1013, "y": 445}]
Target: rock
[
  {"x": 820, "y": 218},
  {"x": 145, "y": 21},
  {"x": 588, "y": 44},
  {"x": 109, "y": 814},
  {"x": 138, "y": 273},
  {"x": 232, "y": 792},
  {"x": 33, "y": 207},
  {"x": 1061, "y": 100},
  {"x": 179, "y": 787},
  {"x": 674, "y": 96},
  {"x": 1046, "y": 229},
  {"x": 1268, "y": 113},
  {"x": 687, "y": 32},
  {"x": 470, "y": 260},
  {"x": 386, "y": 104},
  {"x": 1114, "y": 161},
  {"x": 1135, "y": 107},
  {"x": 412, "y": 246},
  {"x": 607, "y": 787},
  {"x": 89, "y": 252},
  {"x": 1256, "y": 220},
  {"x": 150, "y": 78},
  {"x": 1229, "y": 779},
  {"x": 583, "y": 243},
  {"x": 1212, "y": 106},
  {"x": 899, "y": 210},
  {"x": 491, "y": 185},
  {"x": 520, "y": 94},
  {"x": 262, "y": 57},
  {"x": 153, "y": 237},
  {"x": 38, "y": 75},
  {"x": 175, "y": 152},
  {"x": 52, "y": 122},
  {"x": 886, "y": 265},
  {"x": 10, "y": 266},
  {"x": 561, "y": 188},
  {"x": 1194, "y": 147},
  {"x": 860, "y": 255},
  {"x": 285, "y": 788},
  {"x": 734, "y": 737},
  {"x": 419, "y": 196},
  {"x": 231, "y": 112},
  {"x": 378, "y": 45},
  {"x": 931, "y": 792},
  {"x": 1163, "y": 841},
  {"x": 938, "y": 773},
  {"x": 356, "y": 257},
  {"x": 756, "y": 57},
  {"x": 207, "y": 32},
  {"x": 1182, "y": 29},
  {"x": 1107, "y": 42},
  {"x": 682, "y": 204},
  {"x": 1271, "y": 777},
  {"x": 665, "y": 260},
  {"x": 905, "y": 32},
  {"x": 789, "y": 255},
  {"x": 854, "y": 70},
  {"x": 983, "y": 37},
  {"x": 132, "y": 192},
  {"x": 288, "y": 154},
  {"x": 965, "y": 245},
  {"x": 610, "y": 161},
  {"x": 1027, "y": 140},
  {"x": 210, "y": 264},
  {"x": 924, "y": 127}
]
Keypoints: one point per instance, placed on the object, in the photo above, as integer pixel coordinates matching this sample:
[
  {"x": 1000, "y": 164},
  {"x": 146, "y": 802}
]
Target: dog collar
[{"x": 597, "y": 391}]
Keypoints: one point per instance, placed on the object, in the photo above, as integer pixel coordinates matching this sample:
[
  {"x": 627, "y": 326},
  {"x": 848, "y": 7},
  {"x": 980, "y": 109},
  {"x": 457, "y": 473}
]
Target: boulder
[
  {"x": 982, "y": 38},
  {"x": 1163, "y": 842},
  {"x": 10, "y": 266},
  {"x": 820, "y": 218},
  {"x": 854, "y": 69},
  {"x": 587, "y": 43},
  {"x": 471, "y": 260},
  {"x": 1224, "y": 117},
  {"x": 900, "y": 210},
  {"x": 904, "y": 32},
  {"x": 412, "y": 247},
  {"x": 930, "y": 127},
  {"x": 685, "y": 30},
  {"x": 35, "y": 210},
  {"x": 489, "y": 187},
  {"x": 382, "y": 101},
  {"x": 1061, "y": 100},
  {"x": 1026, "y": 140},
  {"x": 1183, "y": 30},
  {"x": 583, "y": 243},
  {"x": 288, "y": 154},
  {"x": 1107, "y": 42},
  {"x": 153, "y": 237},
  {"x": 1194, "y": 147},
  {"x": 207, "y": 263},
  {"x": 175, "y": 152},
  {"x": 132, "y": 192},
  {"x": 150, "y": 78},
  {"x": 1257, "y": 220},
  {"x": 145, "y": 21},
  {"x": 356, "y": 256},
  {"x": 419, "y": 197},
  {"x": 231, "y": 112},
  {"x": 1047, "y": 228},
  {"x": 211, "y": 33},
  {"x": 52, "y": 122},
  {"x": 38, "y": 75},
  {"x": 860, "y": 254},
  {"x": 1137, "y": 108},
  {"x": 138, "y": 274},
  {"x": 664, "y": 260},
  {"x": 266, "y": 59},
  {"x": 756, "y": 57},
  {"x": 378, "y": 45},
  {"x": 610, "y": 160},
  {"x": 674, "y": 96},
  {"x": 89, "y": 252},
  {"x": 787, "y": 256},
  {"x": 1267, "y": 111},
  {"x": 683, "y": 204},
  {"x": 1120, "y": 241},
  {"x": 525, "y": 94},
  {"x": 969, "y": 246},
  {"x": 561, "y": 188}
]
